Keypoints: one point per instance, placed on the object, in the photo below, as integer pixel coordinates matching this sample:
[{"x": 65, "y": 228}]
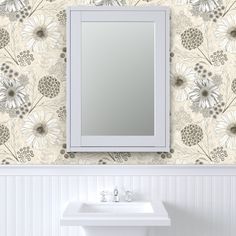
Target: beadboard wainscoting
[{"x": 201, "y": 201}]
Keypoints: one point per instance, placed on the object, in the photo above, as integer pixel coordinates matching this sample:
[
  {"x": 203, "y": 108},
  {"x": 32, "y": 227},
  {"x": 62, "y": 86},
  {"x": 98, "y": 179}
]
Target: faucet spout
[{"x": 116, "y": 195}]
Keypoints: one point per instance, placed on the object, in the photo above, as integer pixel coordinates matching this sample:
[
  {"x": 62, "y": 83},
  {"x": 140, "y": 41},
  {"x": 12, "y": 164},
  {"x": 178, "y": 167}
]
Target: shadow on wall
[{"x": 192, "y": 222}]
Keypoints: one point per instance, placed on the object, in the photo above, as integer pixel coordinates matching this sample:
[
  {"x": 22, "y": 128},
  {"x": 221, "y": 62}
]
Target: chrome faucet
[{"x": 116, "y": 195}]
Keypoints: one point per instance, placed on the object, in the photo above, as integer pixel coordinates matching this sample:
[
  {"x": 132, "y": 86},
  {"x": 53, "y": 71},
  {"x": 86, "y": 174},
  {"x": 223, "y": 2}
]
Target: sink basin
[
  {"x": 115, "y": 214},
  {"x": 116, "y": 208}
]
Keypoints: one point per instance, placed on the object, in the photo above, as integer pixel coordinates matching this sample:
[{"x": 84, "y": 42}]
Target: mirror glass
[{"x": 117, "y": 78}]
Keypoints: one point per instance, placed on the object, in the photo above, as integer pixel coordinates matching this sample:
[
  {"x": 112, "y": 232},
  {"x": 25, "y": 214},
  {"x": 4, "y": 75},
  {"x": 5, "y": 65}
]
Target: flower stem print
[
  {"x": 11, "y": 56},
  {"x": 137, "y": 2},
  {"x": 191, "y": 39},
  {"x": 4, "y": 136},
  {"x": 204, "y": 152},
  {"x": 233, "y": 88},
  {"x": 230, "y": 7},
  {"x": 227, "y": 107},
  {"x": 11, "y": 152},
  {"x": 192, "y": 135},
  {"x": 204, "y": 56},
  {"x": 4, "y": 40},
  {"x": 36, "y": 104},
  {"x": 35, "y": 9},
  {"x": 49, "y": 87}
]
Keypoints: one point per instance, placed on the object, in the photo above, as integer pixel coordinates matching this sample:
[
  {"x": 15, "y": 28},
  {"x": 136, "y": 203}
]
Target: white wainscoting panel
[{"x": 201, "y": 201}]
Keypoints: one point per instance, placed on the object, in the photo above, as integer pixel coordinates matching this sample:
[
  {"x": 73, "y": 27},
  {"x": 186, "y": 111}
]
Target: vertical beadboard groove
[
  {"x": 20, "y": 205},
  {"x": 55, "y": 218},
  {"x": 136, "y": 187},
  {"x": 27, "y": 207},
  {"x": 205, "y": 203},
  {"x": 11, "y": 205},
  {"x": 36, "y": 200},
  {"x": 198, "y": 205},
  {"x": 65, "y": 198},
  {"x": 144, "y": 187},
  {"x": 60, "y": 205},
  {"x": 233, "y": 212},
  {"x": 45, "y": 186},
  {"x": 214, "y": 209},
  {"x": 3, "y": 209},
  {"x": 127, "y": 183},
  {"x": 71, "y": 194},
  {"x": 232, "y": 202},
  {"x": 227, "y": 200}
]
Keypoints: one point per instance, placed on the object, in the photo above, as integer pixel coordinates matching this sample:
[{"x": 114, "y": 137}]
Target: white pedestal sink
[{"x": 115, "y": 219}]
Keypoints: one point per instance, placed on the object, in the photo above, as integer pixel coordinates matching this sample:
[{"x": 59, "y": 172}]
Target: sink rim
[{"x": 71, "y": 216}]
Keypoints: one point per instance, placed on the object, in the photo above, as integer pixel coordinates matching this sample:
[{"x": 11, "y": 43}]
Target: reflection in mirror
[{"x": 117, "y": 78}]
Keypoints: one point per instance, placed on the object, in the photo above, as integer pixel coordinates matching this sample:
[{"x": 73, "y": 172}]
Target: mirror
[
  {"x": 117, "y": 83},
  {"x": 118, "y": 79}
]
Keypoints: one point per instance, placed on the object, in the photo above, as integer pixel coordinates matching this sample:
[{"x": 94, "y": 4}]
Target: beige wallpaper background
[{"x": 33, "y": 83}]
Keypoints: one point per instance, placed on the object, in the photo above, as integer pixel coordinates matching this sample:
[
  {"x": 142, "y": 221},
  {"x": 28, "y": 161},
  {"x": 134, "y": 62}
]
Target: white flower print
[
  {"x": 226, "y": 33},
  {"x": 226, "y": 129},
  {"x": 205, "y": 93},
  {"x": 41, "y": 33},
  {"x": 181, "y": 80},
  {"x": 41, "y": 130},
  {"x": 12, "y": 93},
  {"x": 205, "y": 5}
]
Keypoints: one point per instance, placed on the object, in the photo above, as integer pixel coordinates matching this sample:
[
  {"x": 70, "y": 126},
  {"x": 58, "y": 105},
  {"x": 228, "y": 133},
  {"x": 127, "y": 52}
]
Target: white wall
[{"x": 201, "y": 201}]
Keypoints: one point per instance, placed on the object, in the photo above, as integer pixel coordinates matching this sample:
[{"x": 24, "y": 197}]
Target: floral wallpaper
[{"x": 33, "y": 83}]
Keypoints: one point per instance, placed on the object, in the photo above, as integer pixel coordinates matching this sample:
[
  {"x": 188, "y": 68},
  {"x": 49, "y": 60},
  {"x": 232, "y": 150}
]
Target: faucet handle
[
  {"x": 128, "y": 196},
  {"x": 103, "y": 196}
]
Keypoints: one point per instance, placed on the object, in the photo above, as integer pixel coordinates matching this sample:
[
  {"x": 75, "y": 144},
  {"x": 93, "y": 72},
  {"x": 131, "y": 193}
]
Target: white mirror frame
[{"x": 160, "y": 141}]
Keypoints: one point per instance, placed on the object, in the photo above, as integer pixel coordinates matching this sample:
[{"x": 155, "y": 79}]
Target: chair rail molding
[{"x": 118, "y": 170}]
